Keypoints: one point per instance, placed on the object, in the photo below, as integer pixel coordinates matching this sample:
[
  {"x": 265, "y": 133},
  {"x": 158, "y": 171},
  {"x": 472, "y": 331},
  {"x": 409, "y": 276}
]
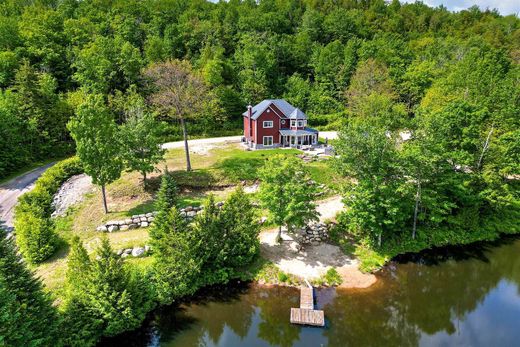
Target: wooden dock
[{"x": 306, "y": 314}]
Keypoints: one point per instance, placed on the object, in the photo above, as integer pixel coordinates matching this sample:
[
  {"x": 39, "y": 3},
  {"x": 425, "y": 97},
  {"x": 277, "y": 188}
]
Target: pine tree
[
  {"x": 80, "y": 324},
  {"x": 78, "y": 264},
  {"x": 167, "y": 195},
  {"x": 109, "y": 293},
  {"x": 240, "y": 243},
  {"x": 31, "y": 319},
  {"x": 176, "y": 265}
]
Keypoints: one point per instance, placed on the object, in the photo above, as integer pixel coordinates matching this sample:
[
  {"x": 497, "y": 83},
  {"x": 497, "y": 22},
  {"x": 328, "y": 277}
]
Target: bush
[
  {"x": 34, "y": 228},
  {"x": 332, "y": 277}
]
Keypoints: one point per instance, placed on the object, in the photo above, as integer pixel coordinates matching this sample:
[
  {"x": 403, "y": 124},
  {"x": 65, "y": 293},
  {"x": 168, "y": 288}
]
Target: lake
[{"x": 464, "y": 296}]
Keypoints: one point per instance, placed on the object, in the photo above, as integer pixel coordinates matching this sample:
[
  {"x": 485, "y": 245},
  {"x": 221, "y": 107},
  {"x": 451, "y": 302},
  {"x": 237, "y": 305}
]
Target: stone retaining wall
[
  {"x": 315, "y": 233},
  {"x": 144, "y": 220}
]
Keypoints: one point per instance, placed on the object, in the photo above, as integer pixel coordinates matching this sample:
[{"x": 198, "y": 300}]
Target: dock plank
[
  {"x": 306, "y": 314},
  {"x": 306, "y": 298},
  {"x": 307, "y": 317}
]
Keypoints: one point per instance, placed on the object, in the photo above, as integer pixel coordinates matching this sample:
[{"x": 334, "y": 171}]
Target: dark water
[{"x": 451, "y": 297}]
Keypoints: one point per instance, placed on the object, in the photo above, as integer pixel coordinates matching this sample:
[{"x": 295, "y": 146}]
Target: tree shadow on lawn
[
  {"x": 238, "y": 169},
  {"x": 195, "y": 179}
]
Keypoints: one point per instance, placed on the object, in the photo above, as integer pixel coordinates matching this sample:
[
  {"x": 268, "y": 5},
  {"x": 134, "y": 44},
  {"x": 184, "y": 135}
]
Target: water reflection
[{"x": 455, "y": 296}]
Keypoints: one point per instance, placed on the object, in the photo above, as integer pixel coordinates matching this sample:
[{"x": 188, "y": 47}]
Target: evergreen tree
[
  {"x": 35, "y": 235},
  {"x": 30, "y": 319},
  {"x": 176, "y": 265},
  {"x": 167, "y": 194},
  {"x": 240, "y": 240},
  {"x": 111, "y": 294},
  {"x": 78, "y": 264}
]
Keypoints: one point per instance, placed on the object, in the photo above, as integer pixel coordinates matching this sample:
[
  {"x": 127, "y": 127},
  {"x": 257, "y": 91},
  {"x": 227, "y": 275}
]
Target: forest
[
  {"x": 426, "y": 103},
  {"x": 55, "y": 52}
]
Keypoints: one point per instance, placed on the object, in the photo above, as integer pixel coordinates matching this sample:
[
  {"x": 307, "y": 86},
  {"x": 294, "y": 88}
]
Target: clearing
[{"x": 218, "y": 168}]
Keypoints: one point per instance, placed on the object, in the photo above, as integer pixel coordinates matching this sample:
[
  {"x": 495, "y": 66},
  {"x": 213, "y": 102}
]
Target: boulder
[
  {"x": 137, "y": 251},
  {"x": 150, "y": 214},
  {"x": 188, "y": 209},
  {"x": 135, "y": 220},
  {"x": 119, "y": 252},
  {"x": 191, "y": 214},
  {"x": 102, "y": 228},
  {"x": 144, "y": 224},
  {"x": 127, "y": 251},
  {"x": 151, "y": 219},
  {"x": 147, "y": 248},
  {"x": 124, "y": 227},
  {"x": 128, "y": 221},
  {"x": 133, "y": 226},
  {"x": 113, "y": 228},
  {"x": 124, "y": 255}
]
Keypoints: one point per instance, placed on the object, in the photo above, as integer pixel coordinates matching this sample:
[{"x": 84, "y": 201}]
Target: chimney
[{"x": 250, "y": 115}]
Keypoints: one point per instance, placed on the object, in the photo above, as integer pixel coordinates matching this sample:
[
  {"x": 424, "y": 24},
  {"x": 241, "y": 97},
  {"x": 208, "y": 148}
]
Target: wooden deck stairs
[{"x": 306, "y": 314}]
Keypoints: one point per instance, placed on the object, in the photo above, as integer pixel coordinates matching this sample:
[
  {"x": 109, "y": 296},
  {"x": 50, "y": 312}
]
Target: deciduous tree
[
  {"x": 178, "y": 93},
  {"x": 97, "y": 142},
  {"x": 287, "y": 192}
]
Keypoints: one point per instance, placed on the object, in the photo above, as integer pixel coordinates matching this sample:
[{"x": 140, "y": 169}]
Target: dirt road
[
  {"x": 230, "y": 139},
  {"x": 10, "y": 191}
]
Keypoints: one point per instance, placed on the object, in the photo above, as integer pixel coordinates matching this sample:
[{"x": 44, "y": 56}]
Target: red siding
[
  {"x": 268, "y": 115},
  {"x": 246, "y": 127}
]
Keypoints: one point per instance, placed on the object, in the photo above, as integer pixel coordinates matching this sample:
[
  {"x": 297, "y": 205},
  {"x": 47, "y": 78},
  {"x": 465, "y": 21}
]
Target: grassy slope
[{"x": 214, "y": 173}]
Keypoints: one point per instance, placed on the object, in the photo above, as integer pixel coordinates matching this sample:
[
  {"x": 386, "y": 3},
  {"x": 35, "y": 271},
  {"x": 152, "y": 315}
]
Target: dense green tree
[
  {"x": 107, "y": 64},
  {"x": 30, "y": 319},
  {"x": 35, "y": 236},
  {"x": 287, "y": 192},
  {"x": 97, "y": 142},
  {"x": 176, "y": 265},
  {"x": 141, "y": 141},
  {"x": 113, "y": 294}
]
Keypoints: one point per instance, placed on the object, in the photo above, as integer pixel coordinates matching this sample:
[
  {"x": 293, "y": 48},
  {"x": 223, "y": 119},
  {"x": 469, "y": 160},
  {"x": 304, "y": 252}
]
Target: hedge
[{"x": 34, "y": 229}]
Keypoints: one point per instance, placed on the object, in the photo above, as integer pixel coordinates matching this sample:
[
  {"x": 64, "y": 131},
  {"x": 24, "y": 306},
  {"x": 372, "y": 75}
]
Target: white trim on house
[
  {"x": 264, "y": 138},
  {"x": 269, "y": 125}
]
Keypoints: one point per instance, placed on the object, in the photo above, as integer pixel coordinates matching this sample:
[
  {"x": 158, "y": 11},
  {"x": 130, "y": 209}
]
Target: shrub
[
  {"x": 35, "y": 230},
  {"x": 332, "y": 277}
]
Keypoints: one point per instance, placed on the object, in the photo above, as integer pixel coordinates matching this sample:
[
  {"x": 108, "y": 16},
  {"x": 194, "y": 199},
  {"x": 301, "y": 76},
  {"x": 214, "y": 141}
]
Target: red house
[{"x": 276, "y": 123}]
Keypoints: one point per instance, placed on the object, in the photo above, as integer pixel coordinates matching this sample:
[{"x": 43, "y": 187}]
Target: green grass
[{"x": 216, "y": 172}]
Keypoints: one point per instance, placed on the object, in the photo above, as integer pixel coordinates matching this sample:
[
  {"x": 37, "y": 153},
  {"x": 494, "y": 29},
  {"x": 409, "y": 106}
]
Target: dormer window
[
  {"x": 300, "y": 123},
  {"x": 293, "y": 123}
]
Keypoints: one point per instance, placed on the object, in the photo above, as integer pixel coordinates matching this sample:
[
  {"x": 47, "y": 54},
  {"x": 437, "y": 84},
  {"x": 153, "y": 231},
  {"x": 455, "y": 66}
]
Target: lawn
[{"x": 217, "y": 171}]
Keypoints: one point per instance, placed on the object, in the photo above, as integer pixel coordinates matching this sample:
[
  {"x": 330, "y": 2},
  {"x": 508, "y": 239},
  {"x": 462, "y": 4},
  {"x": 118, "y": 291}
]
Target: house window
[
  {"x": 268, "y": 141},
  {"x": 293, "y": 123},
  {"x": 300, "y": 123},
  {"x": 268, "y": 124}
]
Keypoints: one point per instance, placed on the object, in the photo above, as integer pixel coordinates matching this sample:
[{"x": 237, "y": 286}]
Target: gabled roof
[
  {"x": 297, "y": 114},
  {"x": 286, "y": 108}
]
